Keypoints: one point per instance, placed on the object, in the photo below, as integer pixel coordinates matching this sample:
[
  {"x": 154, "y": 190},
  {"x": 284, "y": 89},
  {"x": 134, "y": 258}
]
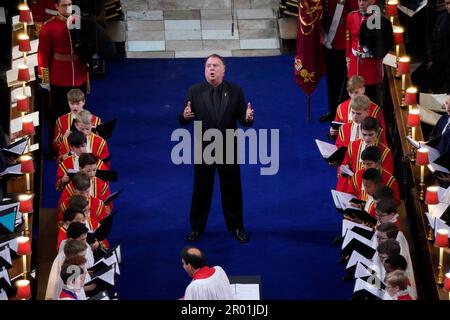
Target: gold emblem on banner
[
  {"x": 310, "y": 11},
  {"x": 304, "y": 73}
]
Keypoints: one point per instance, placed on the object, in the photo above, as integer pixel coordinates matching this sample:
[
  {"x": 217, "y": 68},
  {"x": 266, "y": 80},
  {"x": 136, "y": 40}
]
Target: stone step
[{"x": 170, "y": 28}]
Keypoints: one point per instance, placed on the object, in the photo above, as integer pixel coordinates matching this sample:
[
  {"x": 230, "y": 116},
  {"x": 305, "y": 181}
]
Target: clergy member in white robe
[{"x": 207, "y": 283}]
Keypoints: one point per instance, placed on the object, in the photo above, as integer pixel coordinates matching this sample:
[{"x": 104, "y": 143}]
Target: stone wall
[{"x": 196, "y": 28}]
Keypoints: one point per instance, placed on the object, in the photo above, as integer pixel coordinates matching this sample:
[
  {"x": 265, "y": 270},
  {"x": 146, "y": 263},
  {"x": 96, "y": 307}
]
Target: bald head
[{"x": 193, "y": 256}]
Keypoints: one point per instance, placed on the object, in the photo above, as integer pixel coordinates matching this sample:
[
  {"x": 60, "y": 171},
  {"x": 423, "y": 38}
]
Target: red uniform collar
[
  {"x": 203, "y": 273},
  {"x": 68, "y": 294}
]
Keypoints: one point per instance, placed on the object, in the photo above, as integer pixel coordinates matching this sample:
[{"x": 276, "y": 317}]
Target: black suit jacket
[{"x": 233, "y": 107}]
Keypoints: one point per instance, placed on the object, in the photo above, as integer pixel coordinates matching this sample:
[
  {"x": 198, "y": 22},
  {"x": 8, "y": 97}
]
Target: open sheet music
[
  {"x": 330, "y": 152},
  {"x": 245, "y": 291}
]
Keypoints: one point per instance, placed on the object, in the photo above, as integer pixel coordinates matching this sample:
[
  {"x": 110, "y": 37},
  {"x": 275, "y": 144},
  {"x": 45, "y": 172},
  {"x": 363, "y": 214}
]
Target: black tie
[{"x": 216, "y": 102}]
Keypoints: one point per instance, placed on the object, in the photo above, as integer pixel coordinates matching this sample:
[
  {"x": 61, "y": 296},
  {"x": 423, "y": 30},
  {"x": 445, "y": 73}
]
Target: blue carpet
[{"x": 289, "y": 216}]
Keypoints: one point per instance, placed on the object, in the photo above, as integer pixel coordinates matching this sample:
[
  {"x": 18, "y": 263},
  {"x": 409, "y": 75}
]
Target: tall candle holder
[{"x": 422, "y": 160}]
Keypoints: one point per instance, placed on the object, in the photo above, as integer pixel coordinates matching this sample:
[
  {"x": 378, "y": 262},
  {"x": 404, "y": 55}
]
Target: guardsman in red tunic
[
  {"x": 59, "y": 65},
  {"x": 334, "y": 20},
  {"x": 63, "y": 125},
  {"x": 95, "y": 144},
  {"x": 42, "y": 11},
  {"x": 370, "y": 131},
  {"x": 360, "y": 60}
]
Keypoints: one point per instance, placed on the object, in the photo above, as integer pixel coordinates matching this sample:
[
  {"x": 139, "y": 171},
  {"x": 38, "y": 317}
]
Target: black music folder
[{"x": 105, "y": 129}]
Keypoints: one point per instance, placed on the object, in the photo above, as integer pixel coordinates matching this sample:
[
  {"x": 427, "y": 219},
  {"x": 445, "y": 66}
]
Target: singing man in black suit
[{"x": 218, "y": 104}]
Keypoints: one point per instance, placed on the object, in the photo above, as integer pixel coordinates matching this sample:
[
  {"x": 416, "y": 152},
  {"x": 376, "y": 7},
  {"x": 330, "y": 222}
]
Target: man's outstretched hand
[
  {"x": 249, "y": 113},
  {"x": 187, "y": 112}
]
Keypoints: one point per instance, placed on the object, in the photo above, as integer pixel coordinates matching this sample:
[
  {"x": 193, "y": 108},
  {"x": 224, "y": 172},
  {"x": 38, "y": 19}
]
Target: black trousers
[
  {"x": 376, "y": 94},
  {"x": 336, "y": 78},
  {"x": 58, "y": 107},
  {"x": 231, "y": 193}
]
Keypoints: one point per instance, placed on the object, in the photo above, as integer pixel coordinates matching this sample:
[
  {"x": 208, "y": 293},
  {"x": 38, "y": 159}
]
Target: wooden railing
[{"x": 426, "y": 254}]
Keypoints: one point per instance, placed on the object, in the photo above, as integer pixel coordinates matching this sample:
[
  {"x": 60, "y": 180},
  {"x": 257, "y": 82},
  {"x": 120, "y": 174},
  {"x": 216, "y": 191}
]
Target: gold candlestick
[
  {"x": 440, "y": 277},
  {"x": 422, "y": 184}
]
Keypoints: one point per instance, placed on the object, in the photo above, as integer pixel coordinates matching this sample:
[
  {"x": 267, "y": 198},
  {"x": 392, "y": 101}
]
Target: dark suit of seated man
[{"x": 219, "y": 105}]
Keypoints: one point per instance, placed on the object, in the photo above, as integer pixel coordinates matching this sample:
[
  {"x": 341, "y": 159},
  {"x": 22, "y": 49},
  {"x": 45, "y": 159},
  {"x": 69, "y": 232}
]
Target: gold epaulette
[{"x": 49, "y": 19}]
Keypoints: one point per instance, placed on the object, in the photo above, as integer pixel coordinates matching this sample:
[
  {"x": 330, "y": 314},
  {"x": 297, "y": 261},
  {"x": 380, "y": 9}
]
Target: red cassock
[
  {"x": 387, "y": 178},
  {"x": 365, "y": 66},
  {"x": 62, "y": 235},
  {"x": 339, "y": 42},
  {"x": 345, "y": 133},
  {"x": 69, "y": 163},
  {"x": 99, "y": 146},
  {"x": 43, "y": 10},
  {"x": 56, "y": 54},
  {"x": 353, "y": 160},
  {"x": 405, "y": 297},
  {"x": 100, "y": 189},
  {"x": 343, "y": 113},
  {"x": 97, "y": 208},
  {"x": 64, "y": 123}
]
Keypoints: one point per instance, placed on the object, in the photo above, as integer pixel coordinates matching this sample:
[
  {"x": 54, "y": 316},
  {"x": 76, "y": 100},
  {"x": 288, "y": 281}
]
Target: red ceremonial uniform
[
  {"x": 68, "y": 164},
  {"x": 345, "y": 132},
  {"x": 353, "y": 160},
  {"x": 64, "y": 123},
  {"x": 344, "y": 113},
  {"x": 97, "y": 209},
  {"x": 56, "y": 54},
  {"x": 99, "y": 189},
  {"x": 339, "y": 41},
  {"x": 98, "y": 146},
  {"x": 361, "y": 61},
  {"x": 43, "y": 10},
  {"x": 62, "y": 235},
  {"x": 387, "y": 178},
  {"x": 406, "y": 296}
]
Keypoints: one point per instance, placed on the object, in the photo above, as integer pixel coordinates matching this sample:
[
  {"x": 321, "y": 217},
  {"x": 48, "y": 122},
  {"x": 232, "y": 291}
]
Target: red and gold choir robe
[
  {"x": 353, "y": 160},
  {"x": 387, "y": 178},
  {"x": 98, "y": 211},
  {"x": 97, "y": 146},
  {"x": 71, "y": 163},
  {"x": 64, "y": 123},
  {"x": 99, "y": 189},
  {"x": 62, "y": 235},
  {"x": 344, "y": 113}
]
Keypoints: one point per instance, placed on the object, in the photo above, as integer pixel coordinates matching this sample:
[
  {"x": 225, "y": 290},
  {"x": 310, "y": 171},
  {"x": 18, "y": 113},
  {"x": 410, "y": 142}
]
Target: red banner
[{"x": 309, "y": 62}]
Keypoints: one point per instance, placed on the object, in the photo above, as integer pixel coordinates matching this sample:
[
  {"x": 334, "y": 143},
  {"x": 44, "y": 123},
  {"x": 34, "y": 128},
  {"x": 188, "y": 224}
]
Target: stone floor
[{"x": 196, "y": 28}]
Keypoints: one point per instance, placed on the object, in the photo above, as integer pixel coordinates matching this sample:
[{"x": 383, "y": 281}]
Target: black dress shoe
[
  {"x": 327, "y": 117},
  {"x": 194, "y": 235},
  {"x": 240, "y": 235}
]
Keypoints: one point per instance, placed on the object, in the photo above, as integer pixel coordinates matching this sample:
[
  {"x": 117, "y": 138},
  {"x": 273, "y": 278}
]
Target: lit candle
[
  {"x": 23, "y": 289},
  {"x": 28, "y": 126},
  {"x": 403, "y": 69},
  {"x": 411, "y": 96},
  {"x": 22, "y": 103},
  {"x": 24, "y": 43}
]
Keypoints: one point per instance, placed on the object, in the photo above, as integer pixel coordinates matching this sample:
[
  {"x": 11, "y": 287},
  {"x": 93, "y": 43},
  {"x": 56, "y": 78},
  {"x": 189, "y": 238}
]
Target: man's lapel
[
  {"x": 224, "y": 101},
  {"x": 207, "y": 103}
]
